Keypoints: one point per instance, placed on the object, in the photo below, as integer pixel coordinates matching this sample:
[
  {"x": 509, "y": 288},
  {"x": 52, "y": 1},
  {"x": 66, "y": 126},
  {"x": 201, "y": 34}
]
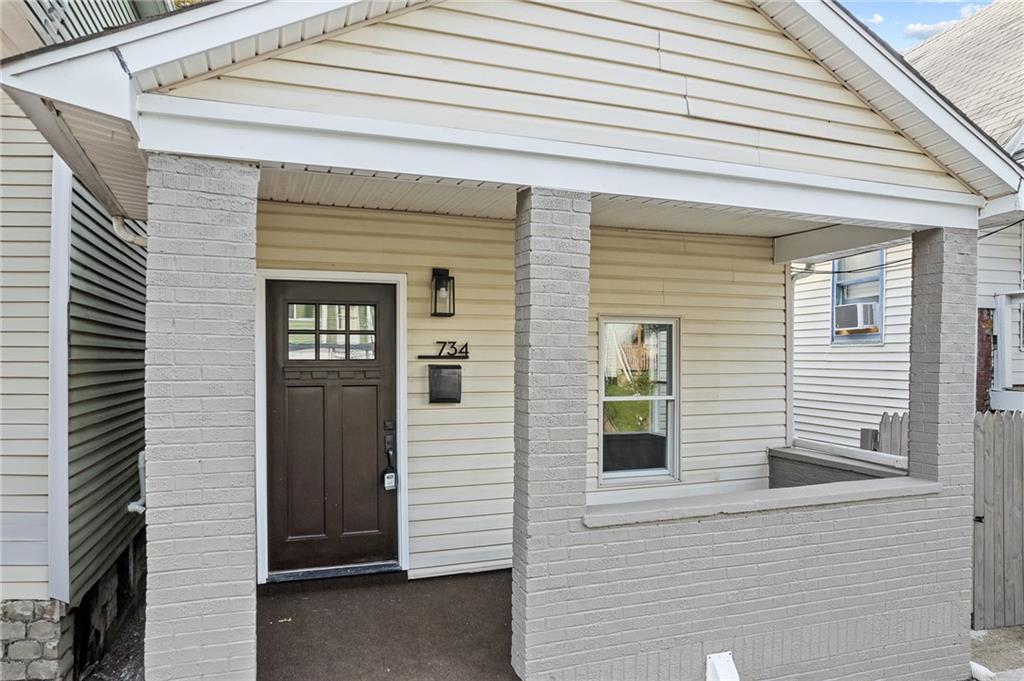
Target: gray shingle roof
[{"x": 978, "y": 64}]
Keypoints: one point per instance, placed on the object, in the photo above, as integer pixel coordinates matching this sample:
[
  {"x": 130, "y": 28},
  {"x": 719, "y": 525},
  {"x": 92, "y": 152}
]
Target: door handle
[{"x": 390, "y": 478}]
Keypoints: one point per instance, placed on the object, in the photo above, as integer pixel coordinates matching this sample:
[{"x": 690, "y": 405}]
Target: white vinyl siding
[
  {"x": 26, "y": 163},
  {"x": 839, "y": 389},
  {"x": 999, "y": 271},
  {"x": 706, "y": 79},
  {"x": 728, "y": 297}
]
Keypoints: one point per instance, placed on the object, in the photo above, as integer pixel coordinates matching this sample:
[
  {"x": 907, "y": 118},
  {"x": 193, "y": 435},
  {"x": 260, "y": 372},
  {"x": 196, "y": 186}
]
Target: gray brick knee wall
[
  {"x": 200, "y": 416},
  {"x": 867, "y": 591},
  {"x": 552, "y": 255}
]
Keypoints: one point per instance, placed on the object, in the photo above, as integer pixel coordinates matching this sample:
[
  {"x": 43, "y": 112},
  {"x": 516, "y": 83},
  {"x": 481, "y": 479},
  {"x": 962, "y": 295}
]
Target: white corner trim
[
  {"x": 57, "y": 473},
  {"x": 401, "y": 394}
]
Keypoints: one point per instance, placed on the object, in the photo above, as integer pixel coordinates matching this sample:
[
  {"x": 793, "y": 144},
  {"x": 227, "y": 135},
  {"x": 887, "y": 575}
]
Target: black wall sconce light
[{"x": 442, "y": 293}]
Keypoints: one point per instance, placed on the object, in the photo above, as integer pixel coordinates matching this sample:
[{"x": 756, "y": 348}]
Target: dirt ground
[
  {"x": 123, "y": 659},
  {"x": 1000, "y": 651}
]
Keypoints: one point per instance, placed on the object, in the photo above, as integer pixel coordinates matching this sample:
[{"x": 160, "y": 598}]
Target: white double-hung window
[{"x": 639, "y": 405}]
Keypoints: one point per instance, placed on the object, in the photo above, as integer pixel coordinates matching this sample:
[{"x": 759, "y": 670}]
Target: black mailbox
[{"x": 445, "y": 383}]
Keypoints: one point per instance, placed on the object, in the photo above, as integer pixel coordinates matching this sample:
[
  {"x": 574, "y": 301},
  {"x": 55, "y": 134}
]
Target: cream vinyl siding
[
  {"x": 730, "y": 303},
  {"x": 839, "y": 389},
  {"x": 26, "y": 163},
  {"x": 705, "y": 79},
  {"x": 725, "y": 291}
]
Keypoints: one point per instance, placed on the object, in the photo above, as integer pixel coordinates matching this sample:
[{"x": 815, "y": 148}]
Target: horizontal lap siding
[
  {"x": 999, "y": 271},
  {"x": 106, "y": 400},
  {"x": 26, "y": 163},
  {"x": 706, "y": 79},
  {"x": 839, "y": 389},
  {"x": 727, "y": 294},
  {"x": 730, "y": 303},
  {"x": 460, "y": 456}
]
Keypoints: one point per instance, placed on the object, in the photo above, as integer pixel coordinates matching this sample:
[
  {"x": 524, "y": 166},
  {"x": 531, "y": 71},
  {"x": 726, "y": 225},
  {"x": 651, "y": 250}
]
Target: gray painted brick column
[
  {"x": 552, "y": 257},
  {"x": 200, "y": 414},
  {"x": 943, "y": 334}
]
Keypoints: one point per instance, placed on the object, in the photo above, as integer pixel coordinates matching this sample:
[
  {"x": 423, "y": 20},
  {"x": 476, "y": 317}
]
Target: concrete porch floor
[{"x": 383, "y": 627}]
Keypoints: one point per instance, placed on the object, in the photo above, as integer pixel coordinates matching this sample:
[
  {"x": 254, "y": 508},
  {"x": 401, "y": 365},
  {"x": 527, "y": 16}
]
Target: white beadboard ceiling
[{"x": 440, "y": 196}]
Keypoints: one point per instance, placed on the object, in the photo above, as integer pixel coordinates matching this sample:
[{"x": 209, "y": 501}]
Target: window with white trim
[
  {"x": 858, "y": 298},
  {"x": 639, "y": 406}
]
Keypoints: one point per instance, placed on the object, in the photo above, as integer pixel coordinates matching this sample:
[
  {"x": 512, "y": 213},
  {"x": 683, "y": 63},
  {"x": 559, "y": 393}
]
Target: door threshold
[{"x": 331, "y": 572}]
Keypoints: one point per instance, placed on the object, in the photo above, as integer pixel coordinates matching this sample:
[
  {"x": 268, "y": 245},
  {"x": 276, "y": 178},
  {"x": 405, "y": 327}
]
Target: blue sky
[{"x": 907, "y": 22}]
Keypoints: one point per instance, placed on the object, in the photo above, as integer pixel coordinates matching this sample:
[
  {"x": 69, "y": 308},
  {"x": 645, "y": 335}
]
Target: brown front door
[{"x": 331, "y": 421}]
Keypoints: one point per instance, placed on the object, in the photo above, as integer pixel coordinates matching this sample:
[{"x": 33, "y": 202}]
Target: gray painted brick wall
[
  {"x": 200, "y": 415},
  {"x": 552, "y": 257},
  {"x": 866, "y": 591}
]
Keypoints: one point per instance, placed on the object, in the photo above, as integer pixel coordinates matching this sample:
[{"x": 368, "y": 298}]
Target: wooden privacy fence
[
  {"x": 998, "y": 511},
  {"x": 998, "y": 526},
  {"x": 894, "y": 434}
]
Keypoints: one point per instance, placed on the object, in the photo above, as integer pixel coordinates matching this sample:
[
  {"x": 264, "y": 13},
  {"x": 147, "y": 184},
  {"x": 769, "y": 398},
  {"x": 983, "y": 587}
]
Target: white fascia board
[
  {"x": 176, "y": 36},
  {"x": 116, "y": 39},
  {"x": 97, "y": 82},
  {"x": 1005, "y": 208},
  {"x": 828, "y": 243},
  {"x": 911, "y": 88},
  {"x": 259, "y": 17},
  {"x": 187, "y": 126}
]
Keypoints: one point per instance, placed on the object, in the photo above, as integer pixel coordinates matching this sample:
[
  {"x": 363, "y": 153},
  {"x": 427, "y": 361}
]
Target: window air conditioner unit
[{"x": 855, "y": 317}]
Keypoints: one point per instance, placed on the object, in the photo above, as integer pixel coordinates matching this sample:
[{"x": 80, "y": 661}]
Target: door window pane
[
  {"x": 332, "y": 317},
  {"x": 301, "y": 346},
  {"x": 301, "y": 317},
  {"x": 362, "y": 317},
  {"x": 637, "y": 359},
  {"x": 362, "y": 346},
  {"x": 332, "y": 346}
]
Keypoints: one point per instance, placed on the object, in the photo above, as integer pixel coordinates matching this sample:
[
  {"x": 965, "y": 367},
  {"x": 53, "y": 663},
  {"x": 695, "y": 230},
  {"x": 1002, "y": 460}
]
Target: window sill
[{"x": 703, "y": 506}]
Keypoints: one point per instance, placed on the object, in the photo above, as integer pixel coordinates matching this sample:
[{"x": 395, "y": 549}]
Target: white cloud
[
  {"x": 875, "y": 19},
  {"x": 918, "y": 30}
]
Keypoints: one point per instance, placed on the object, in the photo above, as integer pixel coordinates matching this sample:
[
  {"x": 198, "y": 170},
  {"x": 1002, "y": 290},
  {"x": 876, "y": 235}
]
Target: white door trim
[{"x": 401, "y": 389}]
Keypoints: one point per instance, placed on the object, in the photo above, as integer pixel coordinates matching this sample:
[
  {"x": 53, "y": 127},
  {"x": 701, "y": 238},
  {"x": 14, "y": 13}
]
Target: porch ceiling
[{"x": 442, "y": 196}]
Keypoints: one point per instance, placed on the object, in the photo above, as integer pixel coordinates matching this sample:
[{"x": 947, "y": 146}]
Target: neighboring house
[
  {"x": 846, "y": 378},
  {"x": 617, "y": 190},
  {"x": 71, "y": 381}
]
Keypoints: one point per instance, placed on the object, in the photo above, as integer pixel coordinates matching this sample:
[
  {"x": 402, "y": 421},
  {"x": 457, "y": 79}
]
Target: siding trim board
[
  {"x": 401, "y": 390},
  {"x": 60, "y": 289}
]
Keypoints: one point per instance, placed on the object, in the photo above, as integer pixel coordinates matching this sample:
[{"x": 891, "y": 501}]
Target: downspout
[
  {"x": 122, "y": 233},
  {"x": 794, "y": 276},
  {"x": 117, "y": 223}
]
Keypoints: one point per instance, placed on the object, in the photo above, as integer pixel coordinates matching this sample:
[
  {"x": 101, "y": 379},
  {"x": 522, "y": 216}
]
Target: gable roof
[
  {"x": 979, "y": 64},
  {"x": 216, "y": 37}
]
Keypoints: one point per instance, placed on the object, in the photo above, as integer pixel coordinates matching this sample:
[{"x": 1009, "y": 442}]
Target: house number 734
[{"x": 453, "y": 349}]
